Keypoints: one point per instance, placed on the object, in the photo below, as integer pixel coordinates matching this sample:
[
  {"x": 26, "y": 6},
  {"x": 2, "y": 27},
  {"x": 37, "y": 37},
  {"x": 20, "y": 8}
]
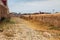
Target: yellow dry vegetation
[{"x": 18, "y": 27}]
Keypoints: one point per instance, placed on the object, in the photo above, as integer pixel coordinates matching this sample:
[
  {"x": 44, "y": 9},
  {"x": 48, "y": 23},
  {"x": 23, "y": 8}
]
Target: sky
[{"x": 30, "y": 6}]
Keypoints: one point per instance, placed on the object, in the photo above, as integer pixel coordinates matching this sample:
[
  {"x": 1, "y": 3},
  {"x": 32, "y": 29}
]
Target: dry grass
[
  {"x": 45, "y": 21},
  {"x": 12, "y": 30},
  {"x": 5, "y": 26}
]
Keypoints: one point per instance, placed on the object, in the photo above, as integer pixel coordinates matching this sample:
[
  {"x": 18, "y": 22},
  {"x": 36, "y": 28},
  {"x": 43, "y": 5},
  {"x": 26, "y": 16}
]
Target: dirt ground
[{"x": 25, "y": 30}]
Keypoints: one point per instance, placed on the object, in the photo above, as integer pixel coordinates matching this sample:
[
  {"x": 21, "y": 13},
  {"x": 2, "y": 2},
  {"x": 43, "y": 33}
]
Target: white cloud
[{"x": 35, "y": 6}]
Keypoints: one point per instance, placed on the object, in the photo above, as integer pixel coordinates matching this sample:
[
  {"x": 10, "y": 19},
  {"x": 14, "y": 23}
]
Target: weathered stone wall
[{"x": 3, "y": 10}]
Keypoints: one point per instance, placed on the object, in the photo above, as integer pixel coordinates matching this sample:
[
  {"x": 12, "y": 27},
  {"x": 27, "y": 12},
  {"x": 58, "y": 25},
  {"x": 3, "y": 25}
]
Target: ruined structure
[{"x": 3, "y": 9}]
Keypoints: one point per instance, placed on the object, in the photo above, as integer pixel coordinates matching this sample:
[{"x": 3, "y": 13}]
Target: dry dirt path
[{"x": 22, "y": 31}]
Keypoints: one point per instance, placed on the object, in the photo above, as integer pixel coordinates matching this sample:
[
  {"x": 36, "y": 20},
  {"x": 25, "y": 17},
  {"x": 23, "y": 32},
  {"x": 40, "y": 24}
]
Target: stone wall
[{"x": 3, "y": 10}]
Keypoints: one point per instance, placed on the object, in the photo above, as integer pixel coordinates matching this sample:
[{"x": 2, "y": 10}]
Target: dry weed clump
[{"x": 9, "y": 34}]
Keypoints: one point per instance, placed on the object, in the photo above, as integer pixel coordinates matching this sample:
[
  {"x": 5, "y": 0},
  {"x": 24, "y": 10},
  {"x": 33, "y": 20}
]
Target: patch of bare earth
[{"x": 23, "y": 30}]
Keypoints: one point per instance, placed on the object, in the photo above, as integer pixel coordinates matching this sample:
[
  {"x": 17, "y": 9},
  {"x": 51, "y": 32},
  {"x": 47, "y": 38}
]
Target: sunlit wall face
[{"x": 26, "y": 6}]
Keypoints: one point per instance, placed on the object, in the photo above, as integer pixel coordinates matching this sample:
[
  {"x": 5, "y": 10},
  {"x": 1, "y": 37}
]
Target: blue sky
[{"x": 28, "y": 6}]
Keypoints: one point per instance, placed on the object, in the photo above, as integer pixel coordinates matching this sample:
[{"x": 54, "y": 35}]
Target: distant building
[{"x": 4, "y": 11}]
